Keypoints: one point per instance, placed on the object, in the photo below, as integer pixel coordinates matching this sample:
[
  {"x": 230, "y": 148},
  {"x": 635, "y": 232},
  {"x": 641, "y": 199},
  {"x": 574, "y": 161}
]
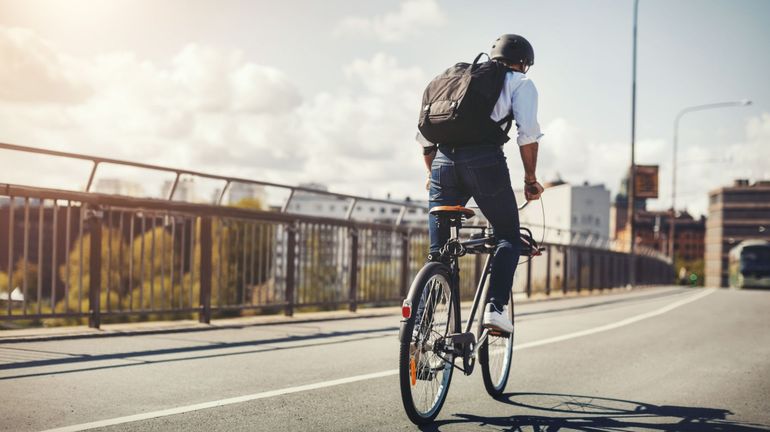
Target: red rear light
[{"x": 406, "y": 309}]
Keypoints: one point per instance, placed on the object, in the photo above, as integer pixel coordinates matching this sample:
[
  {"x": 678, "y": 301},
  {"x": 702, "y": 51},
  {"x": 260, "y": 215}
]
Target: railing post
[
  {"x": 579, "y": 282},
  {"x": 404, "y": 264},
  {"x": 548, "y": 271},
  {"x": 95, "y": 268},
  {"x": 565, "y": 270},
  {"x": 205, "y": 271},
  {"x": 353, "y": 293},
  {"x": 529, "y": 277},
  {"x": 605, "y": 277},
  {"x": 291, "y": 256}
]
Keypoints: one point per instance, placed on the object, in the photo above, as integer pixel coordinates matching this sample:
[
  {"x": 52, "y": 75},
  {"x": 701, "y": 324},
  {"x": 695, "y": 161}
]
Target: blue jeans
[{"x": 482, "y": 173}]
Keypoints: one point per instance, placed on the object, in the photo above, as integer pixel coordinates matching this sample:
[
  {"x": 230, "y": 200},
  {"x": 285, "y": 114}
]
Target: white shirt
[{"x": 519, "y": 96}]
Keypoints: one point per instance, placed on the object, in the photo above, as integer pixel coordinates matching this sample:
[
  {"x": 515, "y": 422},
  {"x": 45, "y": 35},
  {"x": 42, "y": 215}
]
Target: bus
[{"x": 749, "y": 264}]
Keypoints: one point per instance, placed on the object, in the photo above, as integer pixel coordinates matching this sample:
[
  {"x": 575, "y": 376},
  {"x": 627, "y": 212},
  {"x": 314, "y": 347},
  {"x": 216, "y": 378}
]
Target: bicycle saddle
[{"x": 452, "y": 210}]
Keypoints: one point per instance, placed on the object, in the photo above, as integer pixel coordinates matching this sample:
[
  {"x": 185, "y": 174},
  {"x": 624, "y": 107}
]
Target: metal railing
[
  {"x": 227, "y": 180},
  {"x": 73, "y": 255},
  {"x": 78, "y": 255}
]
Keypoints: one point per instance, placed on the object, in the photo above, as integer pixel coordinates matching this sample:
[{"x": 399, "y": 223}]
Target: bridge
[{"x": 249, "y": 318}]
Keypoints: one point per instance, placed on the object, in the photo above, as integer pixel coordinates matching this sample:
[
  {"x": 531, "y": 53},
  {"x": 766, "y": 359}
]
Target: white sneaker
[{"x": 496, "y": 319}]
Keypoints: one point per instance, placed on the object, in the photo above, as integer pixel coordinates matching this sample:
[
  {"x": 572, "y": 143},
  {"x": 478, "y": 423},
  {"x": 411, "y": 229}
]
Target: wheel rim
[
  {"x": 498, "y": 350},
  {"x": 430, "y": 373}
]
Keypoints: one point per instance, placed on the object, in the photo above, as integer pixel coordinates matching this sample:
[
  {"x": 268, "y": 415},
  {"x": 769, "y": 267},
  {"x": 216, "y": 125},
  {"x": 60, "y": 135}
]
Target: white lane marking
[
  {"x": 348, "y": 380},
  {"x": 617, "y": 324},
  {"x": 221, "y": 402}
]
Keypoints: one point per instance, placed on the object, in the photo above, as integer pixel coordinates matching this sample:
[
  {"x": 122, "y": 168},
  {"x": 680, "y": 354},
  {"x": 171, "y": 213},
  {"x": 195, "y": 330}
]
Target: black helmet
[{"x": 513, "y": 49}]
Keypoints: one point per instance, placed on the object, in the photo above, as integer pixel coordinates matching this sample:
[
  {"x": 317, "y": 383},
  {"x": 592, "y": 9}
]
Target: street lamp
[
  {"x": 632, "y": 176},
  {"x": 672, "y": 224}
]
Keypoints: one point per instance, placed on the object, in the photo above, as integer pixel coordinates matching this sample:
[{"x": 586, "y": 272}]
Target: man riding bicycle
[{"x": 478, "y": 170}]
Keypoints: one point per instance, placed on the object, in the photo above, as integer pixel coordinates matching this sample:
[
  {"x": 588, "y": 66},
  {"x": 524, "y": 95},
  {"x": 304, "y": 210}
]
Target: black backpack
[{"x": 456, "y": 105}]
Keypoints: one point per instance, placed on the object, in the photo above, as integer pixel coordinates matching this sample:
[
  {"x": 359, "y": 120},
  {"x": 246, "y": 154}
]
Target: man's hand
[{"x": 532, "y": 191}]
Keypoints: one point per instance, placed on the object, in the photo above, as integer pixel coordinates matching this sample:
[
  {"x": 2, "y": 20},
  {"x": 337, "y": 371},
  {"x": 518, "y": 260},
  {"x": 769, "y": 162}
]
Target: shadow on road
[
  {"x": 144, "y": 357},
  {"x": 590, "y": 413}
]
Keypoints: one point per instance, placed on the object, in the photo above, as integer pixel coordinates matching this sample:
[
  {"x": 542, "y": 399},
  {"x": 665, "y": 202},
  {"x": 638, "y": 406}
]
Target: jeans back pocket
[{"x": 489, "y": 179}]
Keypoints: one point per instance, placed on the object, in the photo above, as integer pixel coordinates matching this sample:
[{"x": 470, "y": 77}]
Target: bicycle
[{"x": 431, "y": 337}]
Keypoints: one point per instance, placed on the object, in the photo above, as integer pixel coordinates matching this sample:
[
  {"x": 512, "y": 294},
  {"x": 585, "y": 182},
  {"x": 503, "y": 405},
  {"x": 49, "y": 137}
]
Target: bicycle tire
[
  {"x": 424, "y": 377},
  {"x": 495, "y": 356}
]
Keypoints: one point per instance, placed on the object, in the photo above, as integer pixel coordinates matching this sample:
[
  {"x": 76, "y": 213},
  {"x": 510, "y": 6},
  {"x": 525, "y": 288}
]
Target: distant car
[{"x": 749, "y": 264}]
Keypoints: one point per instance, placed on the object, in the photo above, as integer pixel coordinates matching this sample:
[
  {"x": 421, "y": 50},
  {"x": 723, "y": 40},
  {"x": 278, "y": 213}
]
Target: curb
[{"x": 186, "y": 326}]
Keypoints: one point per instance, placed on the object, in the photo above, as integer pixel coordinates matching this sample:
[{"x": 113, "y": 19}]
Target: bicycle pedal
[
  {"x": 498, "y": 333},
  {"x": 493, "y": 331}
]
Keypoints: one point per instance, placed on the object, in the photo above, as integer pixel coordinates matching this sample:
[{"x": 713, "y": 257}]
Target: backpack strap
[
  {"x": 507, "y": 119},
  {"x": 476, "y": 61}
]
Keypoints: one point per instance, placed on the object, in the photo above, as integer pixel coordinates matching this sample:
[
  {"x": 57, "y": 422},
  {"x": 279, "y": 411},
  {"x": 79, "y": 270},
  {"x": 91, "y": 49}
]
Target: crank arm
[{"x": 481, "y": 340}]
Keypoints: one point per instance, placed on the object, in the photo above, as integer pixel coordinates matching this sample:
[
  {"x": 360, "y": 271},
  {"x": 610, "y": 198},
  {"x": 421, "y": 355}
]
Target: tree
[{"x": 17, "y": 279}]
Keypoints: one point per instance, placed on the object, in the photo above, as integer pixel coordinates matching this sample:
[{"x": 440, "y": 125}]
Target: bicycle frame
[{"x": 451, "y": 252}]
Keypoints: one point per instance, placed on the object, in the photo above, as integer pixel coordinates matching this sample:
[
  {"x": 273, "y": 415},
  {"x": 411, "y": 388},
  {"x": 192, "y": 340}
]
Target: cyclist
[{"x": 455, "y": 174}]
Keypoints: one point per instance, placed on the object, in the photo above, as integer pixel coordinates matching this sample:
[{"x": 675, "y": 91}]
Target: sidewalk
[{"x": 179, "y": 326}]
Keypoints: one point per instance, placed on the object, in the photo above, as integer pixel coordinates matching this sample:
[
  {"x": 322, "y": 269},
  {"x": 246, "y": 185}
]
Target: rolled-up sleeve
[{"x": 524, "y": 106}]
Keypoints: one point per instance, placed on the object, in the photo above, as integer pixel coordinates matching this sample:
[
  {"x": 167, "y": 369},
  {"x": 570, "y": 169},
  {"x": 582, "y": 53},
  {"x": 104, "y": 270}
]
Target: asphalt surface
[{"x": 662, "y": 359}]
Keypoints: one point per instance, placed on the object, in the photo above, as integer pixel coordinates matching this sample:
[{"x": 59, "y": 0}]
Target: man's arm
[
  {"x": 428, "y": 158},
  {"x": 428, "y": 154},
  {"x": 532, "y": 189}
]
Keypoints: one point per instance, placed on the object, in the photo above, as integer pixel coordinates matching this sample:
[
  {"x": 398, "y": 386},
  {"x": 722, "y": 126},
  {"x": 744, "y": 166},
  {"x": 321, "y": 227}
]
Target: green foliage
[
  {"x": 692, "y": 267},
  {"x": 249, "y": 203},
  {"x": 4, "y": 282},
  {"x": 17, "y": 278}
]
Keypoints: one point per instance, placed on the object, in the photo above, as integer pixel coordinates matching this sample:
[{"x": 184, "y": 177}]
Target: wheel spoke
[{"x": 432, "y": 325}]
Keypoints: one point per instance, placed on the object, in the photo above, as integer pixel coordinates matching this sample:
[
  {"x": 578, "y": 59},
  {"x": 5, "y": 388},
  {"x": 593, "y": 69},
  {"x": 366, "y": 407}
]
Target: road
[{"x": 662, "y": 359}]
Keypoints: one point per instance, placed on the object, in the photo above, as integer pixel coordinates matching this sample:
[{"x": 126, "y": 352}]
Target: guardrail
[
  {"x": 74, "y": 255},
  {"x": 71, "y": 255},
  {"x": 227, "y": 180}
]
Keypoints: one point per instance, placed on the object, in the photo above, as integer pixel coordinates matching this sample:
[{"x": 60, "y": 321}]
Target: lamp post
[
  {"x": 672, "y": 223},
  {"x": 632, "y": 175}
]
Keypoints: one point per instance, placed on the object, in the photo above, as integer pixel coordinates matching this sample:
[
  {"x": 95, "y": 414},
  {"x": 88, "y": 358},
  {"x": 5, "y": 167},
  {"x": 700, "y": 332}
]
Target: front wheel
[
  {"x": 426, "y": 355},
  {"x": 495, "y": 355}
]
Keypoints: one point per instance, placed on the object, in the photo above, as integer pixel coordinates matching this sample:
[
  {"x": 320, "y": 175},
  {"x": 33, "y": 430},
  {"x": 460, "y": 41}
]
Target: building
[
  {"x": 653, "y": 227},
  {"x": 185, "y": 190},
  {"x": 652, "y": 232},
  {"x": 619, "y": 212},
  {"x": 114, "y": 186},
  {"x": 736, "y": 213},
  {"x": 308, "y": 203},
  {"x": 572, "y": 214},
  {"x": 237, "y": 192}
]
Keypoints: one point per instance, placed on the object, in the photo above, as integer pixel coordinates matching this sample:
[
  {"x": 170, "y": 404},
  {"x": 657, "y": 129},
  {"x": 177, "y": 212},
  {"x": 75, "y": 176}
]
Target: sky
[{"x": 328, "y": 92}]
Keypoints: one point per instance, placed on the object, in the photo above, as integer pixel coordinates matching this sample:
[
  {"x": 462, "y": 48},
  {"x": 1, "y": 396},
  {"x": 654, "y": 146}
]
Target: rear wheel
[
  {"x": 425, "y": 357},
  {"x": 495, "y": 355}
]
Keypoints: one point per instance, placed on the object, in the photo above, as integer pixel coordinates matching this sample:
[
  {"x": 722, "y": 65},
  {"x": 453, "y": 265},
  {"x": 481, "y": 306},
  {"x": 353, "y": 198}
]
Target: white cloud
[
  {"x": 567, "y": 150},
  {"x": 32, "y": 71},
  {"x": 211, "y": 110},
  {"x": 411, "y": 17}
]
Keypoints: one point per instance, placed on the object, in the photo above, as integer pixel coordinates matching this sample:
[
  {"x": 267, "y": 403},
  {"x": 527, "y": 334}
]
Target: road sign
[{"x": 646, "y": 181}]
